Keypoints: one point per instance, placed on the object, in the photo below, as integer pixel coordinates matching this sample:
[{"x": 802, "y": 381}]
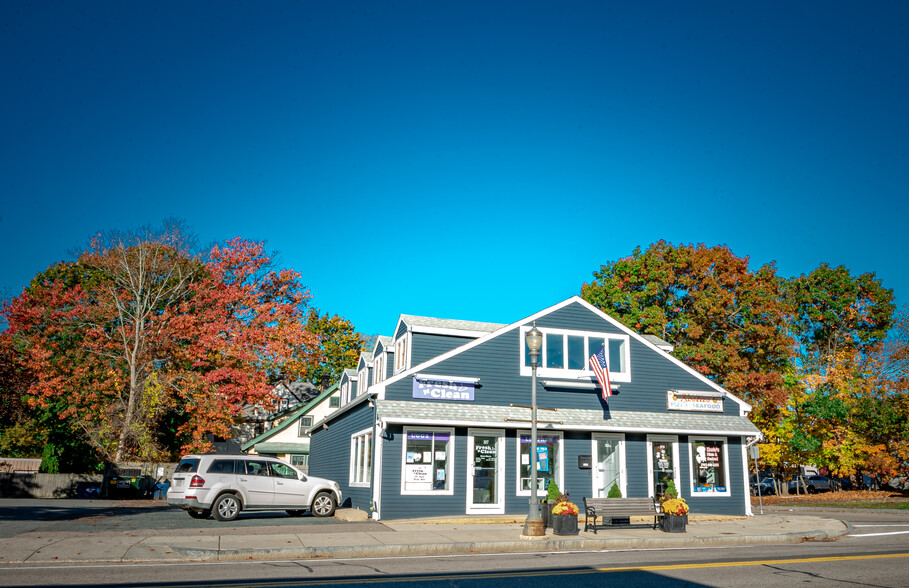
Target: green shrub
[
  {"x": 614, "y": 492},
  {"x": 552, "y": 491}
]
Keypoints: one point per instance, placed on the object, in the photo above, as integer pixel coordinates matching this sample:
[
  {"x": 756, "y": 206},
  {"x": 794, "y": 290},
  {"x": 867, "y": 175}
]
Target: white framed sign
[{"x": 694, "y": 401}]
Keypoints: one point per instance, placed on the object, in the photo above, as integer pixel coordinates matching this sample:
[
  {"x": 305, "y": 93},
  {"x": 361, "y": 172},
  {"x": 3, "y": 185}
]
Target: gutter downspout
[{"x": 745, "y": 451}]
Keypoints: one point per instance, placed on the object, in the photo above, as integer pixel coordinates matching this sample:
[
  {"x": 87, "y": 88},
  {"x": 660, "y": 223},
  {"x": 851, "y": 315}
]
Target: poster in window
[
  {"x": 542, "y": 459},
  {"x": 418, "y": 477}
]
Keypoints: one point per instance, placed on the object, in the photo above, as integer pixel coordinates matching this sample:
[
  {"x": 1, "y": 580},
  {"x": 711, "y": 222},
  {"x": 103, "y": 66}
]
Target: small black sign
[{"x": 584, "y": 462}]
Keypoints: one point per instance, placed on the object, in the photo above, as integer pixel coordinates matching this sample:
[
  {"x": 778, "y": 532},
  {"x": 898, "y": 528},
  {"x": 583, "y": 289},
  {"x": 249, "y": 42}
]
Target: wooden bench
[{"x": 615, "y": 508}]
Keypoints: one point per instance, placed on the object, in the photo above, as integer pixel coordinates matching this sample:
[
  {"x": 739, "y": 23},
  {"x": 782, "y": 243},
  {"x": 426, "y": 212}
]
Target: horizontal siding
[
  {"x": 497, "y": 364},
  {"x": 330, "y": 454},
  {"x": 577, "y": 483},
  {"x": 426, "y": 346}
]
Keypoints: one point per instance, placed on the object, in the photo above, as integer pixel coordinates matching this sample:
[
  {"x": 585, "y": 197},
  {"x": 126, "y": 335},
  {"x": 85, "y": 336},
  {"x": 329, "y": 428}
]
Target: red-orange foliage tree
[
  {"x": 139, "y": 330},
  {"x": 725, "y": 320}
]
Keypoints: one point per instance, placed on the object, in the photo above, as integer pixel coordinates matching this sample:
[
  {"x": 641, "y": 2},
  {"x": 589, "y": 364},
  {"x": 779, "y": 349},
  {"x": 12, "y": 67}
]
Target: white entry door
[
  {"x": 485, "y": 471},
  {"x": 608, "y": 464}
]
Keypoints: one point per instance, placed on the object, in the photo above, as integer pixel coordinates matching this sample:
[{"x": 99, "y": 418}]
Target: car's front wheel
[
  {"x": 323, "y": 505},
  {"x": 226, "y": 507},
  {"x": 199, "y": 513}
]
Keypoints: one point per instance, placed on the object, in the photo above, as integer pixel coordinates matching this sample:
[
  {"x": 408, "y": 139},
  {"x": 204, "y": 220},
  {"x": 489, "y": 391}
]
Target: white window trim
[
  {"x": 725, "y": 455},
  {"x": 377, "y": 370},
  {"x": 560, "y": 474},
  {"x": 402, "y": 346},
  {"x": 676, "y": 459},
  {"x": 623, "y": 474},
  {"x": 584, "y": 374},
  {"x": 358, "y": 440},
  {"x": 499, "y": 507},
  {"x": 363, "y": 381},
  {"x": 449, "y": 462}
]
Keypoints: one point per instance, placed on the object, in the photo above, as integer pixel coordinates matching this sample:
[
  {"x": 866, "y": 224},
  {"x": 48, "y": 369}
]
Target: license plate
[{"x": 178, "y": 483}]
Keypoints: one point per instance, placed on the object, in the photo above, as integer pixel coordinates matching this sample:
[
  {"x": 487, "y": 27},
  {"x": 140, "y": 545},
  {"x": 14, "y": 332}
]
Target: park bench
[{"x": 617, "y": 508}]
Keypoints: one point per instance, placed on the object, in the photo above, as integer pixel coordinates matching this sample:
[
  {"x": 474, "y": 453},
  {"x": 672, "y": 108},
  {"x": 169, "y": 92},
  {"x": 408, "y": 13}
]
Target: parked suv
[
  {"x": 223, "y": 485},
  {"x": 812, "y": 483}
]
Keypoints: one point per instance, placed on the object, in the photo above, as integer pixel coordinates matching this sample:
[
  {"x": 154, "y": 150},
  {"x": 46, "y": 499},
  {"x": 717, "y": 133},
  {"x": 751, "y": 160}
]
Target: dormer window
[
  {"x": 401, "y": 354},
  {"x": 379, "y": 370},
  {"x": 565, "y": 354}
]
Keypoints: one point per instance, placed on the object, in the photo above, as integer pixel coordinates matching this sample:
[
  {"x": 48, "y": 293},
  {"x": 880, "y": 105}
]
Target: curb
[{"x": 548, "y": 545}]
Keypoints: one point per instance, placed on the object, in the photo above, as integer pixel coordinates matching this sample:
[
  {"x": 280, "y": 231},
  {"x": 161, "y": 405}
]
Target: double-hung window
[
  {"x": 427, "y": 461},
  {"x": 401, "y": 354},
  {"x": 379, "y": 370},
  {"x": 305, "y": 423},
  {"x": 361, "y": 458},
  {"x": 565, "y": 354}
]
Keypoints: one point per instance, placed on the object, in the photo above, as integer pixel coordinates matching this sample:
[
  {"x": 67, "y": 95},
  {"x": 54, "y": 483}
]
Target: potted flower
[
  {"x": 552, "y": 496},
  {"x": 675, "y": 515},
  {"x": 565, "y": 517}
]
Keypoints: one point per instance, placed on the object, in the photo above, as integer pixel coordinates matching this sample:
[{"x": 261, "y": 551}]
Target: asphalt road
[
  {"x": 875, "y": 553},
  {"x": 19, "y": 516}
]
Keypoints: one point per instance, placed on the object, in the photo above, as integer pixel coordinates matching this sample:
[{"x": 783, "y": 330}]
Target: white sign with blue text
[{"x": 436, "y": 388}]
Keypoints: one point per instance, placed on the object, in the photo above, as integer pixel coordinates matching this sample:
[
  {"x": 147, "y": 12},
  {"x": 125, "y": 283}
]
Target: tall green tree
[
  {"x": 340, "y": 344},
  {"x": 839, "y": 324}
]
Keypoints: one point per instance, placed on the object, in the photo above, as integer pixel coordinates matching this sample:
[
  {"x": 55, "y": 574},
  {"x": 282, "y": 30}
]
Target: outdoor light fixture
[{"x": 533, "y": 526}]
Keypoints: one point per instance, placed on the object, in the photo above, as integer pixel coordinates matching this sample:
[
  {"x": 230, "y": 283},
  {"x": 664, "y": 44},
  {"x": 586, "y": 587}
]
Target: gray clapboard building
[{"x": 436, "y": 422}]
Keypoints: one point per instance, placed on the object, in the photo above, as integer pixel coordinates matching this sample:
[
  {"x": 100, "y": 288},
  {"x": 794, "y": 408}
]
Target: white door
[
  {"x": 485, "y": 472},
  {"x": 608, "y": 464}
]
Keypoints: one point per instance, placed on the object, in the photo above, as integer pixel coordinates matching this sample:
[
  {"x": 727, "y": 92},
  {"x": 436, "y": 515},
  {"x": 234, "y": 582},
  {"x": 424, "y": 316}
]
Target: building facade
[{"x": 443, "y": 426}]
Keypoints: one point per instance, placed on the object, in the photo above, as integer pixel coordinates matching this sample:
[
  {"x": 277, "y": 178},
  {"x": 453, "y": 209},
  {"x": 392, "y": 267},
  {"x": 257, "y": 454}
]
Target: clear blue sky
[{"x": 472, "y": 160}]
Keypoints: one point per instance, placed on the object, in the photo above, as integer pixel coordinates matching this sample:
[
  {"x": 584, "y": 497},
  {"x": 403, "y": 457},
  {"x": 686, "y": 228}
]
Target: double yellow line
[{"x": 567, "y": 572}]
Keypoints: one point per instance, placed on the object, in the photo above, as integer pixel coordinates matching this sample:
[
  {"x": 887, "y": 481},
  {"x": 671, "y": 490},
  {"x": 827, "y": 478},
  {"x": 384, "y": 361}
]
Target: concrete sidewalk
[{"x": 401, "y": 539}]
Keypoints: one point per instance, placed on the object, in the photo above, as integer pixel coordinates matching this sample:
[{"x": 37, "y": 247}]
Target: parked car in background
[
  {"x": 765, "y": 486},
  {"x": 812, "y": 484},
  {"x": 224, "y": 485}
]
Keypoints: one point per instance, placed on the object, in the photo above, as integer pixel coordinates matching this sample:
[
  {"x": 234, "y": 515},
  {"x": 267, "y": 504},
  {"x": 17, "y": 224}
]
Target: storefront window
[
  {"x": 549, "y": 448},
  {"x": 709, "y": 466},
  {"x": 427, "y": 462}
]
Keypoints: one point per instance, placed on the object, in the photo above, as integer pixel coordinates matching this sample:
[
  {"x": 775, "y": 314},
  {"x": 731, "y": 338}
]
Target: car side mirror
[{"x": 302, "y": 477}]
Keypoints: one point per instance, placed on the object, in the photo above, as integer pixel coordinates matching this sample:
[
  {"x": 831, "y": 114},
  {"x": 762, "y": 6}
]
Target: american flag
[{"x": 601, "y": 371}]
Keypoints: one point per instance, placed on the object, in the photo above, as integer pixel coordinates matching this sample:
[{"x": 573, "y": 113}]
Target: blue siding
[
  {"x": 329, "y": 453},
  {"x": 497, "y": 364},
  {"x": 426, "y": 346}
]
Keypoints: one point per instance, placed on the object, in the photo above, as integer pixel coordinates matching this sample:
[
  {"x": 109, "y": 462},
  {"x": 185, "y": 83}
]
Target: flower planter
[
  {"x": 564, "y": 524},
  {"x": 674, "y": 524},
  {"x": 546, "y": 511}
]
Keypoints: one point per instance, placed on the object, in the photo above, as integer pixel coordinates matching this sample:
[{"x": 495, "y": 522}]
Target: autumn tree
[
  {"x": 241, "y": 328},
  {"x": 725, "y": 320},
  {"x": 339, "y": 342},
  {"x": 839, "y": 321},
  {"x": 140, "y": 331}
]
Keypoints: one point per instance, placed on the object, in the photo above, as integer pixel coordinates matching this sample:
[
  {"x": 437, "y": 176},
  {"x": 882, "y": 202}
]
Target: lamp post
[{"x": 533, "y": 526}]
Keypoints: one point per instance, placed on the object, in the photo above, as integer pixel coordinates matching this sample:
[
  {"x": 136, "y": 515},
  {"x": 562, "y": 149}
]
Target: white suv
[{"x": 223, "y": 485}]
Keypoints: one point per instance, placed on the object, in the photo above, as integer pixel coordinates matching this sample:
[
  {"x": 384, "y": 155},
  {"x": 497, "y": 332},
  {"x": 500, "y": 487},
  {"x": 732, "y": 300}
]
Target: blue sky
[{"x": 471, "y": 160}]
